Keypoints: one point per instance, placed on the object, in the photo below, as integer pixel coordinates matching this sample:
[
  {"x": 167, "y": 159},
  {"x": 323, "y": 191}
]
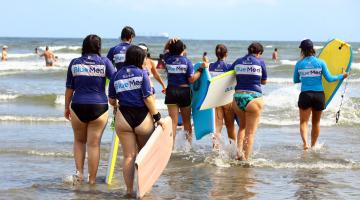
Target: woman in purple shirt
[
  {"x": 248, "y": 102},
  {"x": 86, "y": 104}
]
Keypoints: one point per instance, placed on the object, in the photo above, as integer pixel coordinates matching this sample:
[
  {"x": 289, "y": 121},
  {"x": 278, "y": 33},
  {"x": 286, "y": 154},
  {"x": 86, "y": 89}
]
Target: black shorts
[
  {"x": 134, "y": 115},
  {"x": 89, "y": 112},
  {"x": 180, "y": 96},
  {"x": 312, "y": 99}
]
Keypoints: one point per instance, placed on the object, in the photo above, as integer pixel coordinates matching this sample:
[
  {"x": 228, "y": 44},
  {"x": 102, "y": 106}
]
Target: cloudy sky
[{"x": 192, "y": 19}]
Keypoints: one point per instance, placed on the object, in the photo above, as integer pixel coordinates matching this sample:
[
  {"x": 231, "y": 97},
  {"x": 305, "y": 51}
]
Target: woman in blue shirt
[
  {"x": 180, "y": 71},
  {"x": 248, "y": 102},
  {"x": 309, "y": 71},
  {"x": 225, "y": 112},
  {"x": 131, "y": 95},
  {"x": 86, "y": 104}
]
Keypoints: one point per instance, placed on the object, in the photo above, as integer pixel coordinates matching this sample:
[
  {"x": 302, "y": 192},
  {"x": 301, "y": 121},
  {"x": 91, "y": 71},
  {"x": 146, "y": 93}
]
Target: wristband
[
  {"x": 157, "y": 117},
  {"x": 200, "y": 69}
]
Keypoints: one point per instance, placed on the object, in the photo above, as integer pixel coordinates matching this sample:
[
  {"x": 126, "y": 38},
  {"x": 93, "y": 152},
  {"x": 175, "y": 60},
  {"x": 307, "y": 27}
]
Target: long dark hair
[
  {"x": 91, "y": 45},
  {"x": 135, "y": 56}
]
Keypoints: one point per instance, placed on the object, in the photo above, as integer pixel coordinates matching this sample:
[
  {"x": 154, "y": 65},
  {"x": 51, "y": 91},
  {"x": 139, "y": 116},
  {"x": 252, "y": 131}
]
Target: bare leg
[
  {"x": 128, "y": 144},
  {"x": 219, "y": 118},
  {"x": 173, "y": 113},
  {"x": 315, "y": 128},
  {"x": 95, "y": 130},
  {"x": 252, "y": 117},
  {"x": 185, "y": 114},
  {"x": 241, "y": 133},
  {"x": 229, "y": 121},
  {"x": 304, "y": 120},
  {"x": 144, "y": 131},
  {"x": 80, "y": 139}
]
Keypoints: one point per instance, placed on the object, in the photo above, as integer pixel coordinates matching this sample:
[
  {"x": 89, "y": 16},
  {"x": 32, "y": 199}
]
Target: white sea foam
[
  {"x": 318, "y": 47},
  {"x": 288, "y": 62},
  {"x": 31, "y": 118},
  {"x": 355, "y": 52},
  {"x": 355, "y": 66},
  {"x": 30, "y": 66},
  {"x": 22, "y": 55},
  {"x": 8, "y": 96},
  {"x": 283, "y": 97},
  {"x": 280, "y": 80},
  {"x": 57, "y": 48},
  {"x": 60, "y": 99},
  {"x": 268, "y": 46}
]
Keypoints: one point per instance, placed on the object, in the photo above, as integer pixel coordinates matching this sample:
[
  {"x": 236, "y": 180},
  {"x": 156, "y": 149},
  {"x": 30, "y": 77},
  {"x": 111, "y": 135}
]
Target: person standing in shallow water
[
  {"x": 4, "y": 53},
  {"x": 86, "y": 104},
  {"x": 248, "y": 102},
  {"x": 275, "y": 55},
  {"x": 117, "y": 53},
  {"x": 180, "y": 71},
  {"x": 149, "y": 65},
  {"x": 49, "y": 57},
  {"x": 135, "y": 108},
  {"x": 309, "y": 72},
  {"x": 225, "y": 112}
]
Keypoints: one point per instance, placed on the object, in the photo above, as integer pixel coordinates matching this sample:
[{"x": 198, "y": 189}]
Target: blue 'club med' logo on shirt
[
  {"x": 248, "y": 70},
  {"x": 88, "y": 70},
  {"x": 123, "y": 85}
]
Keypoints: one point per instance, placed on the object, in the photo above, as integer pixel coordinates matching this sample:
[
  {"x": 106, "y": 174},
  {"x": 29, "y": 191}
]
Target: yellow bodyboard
[{"x": 337, "y": 55}]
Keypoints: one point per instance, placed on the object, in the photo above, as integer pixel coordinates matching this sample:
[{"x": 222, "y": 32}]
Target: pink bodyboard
[{"x": 153, "y": 157}]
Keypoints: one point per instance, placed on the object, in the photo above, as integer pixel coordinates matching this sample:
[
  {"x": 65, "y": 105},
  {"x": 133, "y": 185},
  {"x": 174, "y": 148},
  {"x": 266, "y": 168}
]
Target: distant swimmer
[
  {"x": 136, "y": 112},
  {"x": 205, "y": 58},
  {"x": 225, "y": 112},
  {"x": 4, "y": 53},
  {"x": 36, "y": 50},
  {"x": 275, "y": 55},
  {"x": 117, "y": 53},
  {"x": 149, "y": 65},
  {"x": 309, "y": 72},
  {"x": 49, "y": 57},
  {"x": 248, "y": 102},
  {"x": 86, "y": 104},
  {"x": 181, "y": 74}
]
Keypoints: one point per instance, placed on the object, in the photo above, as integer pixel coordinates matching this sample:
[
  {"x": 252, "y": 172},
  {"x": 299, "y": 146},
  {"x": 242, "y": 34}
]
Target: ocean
[{"x": 36, "y": 158}]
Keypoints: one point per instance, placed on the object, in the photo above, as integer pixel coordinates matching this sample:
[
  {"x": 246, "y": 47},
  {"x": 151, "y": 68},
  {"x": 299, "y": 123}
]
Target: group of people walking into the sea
[{"x": 132, "y": 96}]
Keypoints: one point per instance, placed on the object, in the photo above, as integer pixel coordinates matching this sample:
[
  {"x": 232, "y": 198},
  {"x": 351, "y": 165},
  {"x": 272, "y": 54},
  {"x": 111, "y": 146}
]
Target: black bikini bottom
[
  {"x": 89, "y": 112},
  {"x": 134, "y": 115}
]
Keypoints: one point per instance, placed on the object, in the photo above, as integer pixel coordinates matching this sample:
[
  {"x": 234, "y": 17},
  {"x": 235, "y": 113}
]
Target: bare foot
[
  {"x": 215, "y": 140},
  {"x": 77, "y": 178},
  {"x": 188, "y": 137},
  {"x": 131, "y": 195},
  {"x": 306, "y": 147},
  {"x": 240, "y": 156}
]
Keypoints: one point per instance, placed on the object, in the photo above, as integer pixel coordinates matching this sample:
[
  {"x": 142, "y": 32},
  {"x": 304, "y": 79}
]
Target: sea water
[{"x": 36, "y": 158}]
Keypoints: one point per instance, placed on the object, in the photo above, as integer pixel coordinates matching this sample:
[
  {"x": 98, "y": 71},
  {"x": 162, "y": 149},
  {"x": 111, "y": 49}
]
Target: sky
[{"x": 284, "y": 20}]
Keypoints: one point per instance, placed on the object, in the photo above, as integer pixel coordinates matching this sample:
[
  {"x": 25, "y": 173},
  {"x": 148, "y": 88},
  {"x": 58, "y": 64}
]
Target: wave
[
  {"x": 288, "y": 62},
  {"x": 30, "y": 66},
  {"x": 37, "y": 153},
  {"x": 318, "y": 47},
  {"x": 355, "y": 66},
  {"x": 268, "y": 46},
  {"x": 8, "y": 96},
  {"x": 12, "y": 118},
  {"x": 61, "y": 47},
  {"x": 355, "y": 52}
]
